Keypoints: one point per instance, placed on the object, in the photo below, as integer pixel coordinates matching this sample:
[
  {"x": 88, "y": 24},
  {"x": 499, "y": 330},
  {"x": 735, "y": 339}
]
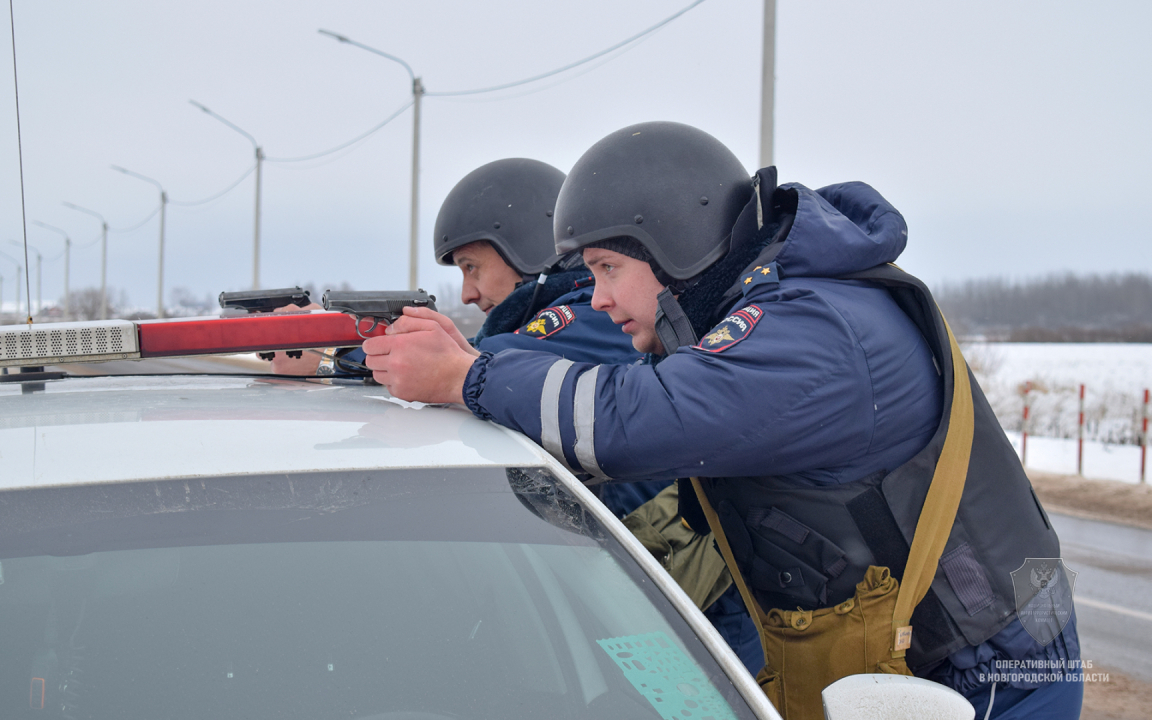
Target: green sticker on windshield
[{"x": 669, "y": 679}]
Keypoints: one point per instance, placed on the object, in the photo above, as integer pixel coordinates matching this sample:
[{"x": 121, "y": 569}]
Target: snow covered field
[
  {"x": 1115, "y": 376},
  {"x": 1101, "y": 461}
]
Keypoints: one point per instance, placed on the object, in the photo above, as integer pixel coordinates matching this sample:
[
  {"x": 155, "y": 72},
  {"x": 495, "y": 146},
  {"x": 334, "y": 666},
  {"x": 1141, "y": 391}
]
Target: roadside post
[
  {"x": 1080, "y": 436},
  {"x": 1144, "y": 437},
  {"x": 1024, "y": 427}
]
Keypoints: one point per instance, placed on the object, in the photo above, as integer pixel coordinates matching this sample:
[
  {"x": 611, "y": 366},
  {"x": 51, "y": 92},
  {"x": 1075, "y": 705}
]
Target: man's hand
[
  {"x": 307, "y": 363},
  {"x": 446, "y": 323},
  {"x": 418, "y": 360}
]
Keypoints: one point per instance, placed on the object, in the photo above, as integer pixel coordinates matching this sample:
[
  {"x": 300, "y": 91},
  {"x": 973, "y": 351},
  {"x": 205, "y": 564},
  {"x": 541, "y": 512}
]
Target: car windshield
[{"x": 403, "y": 594}]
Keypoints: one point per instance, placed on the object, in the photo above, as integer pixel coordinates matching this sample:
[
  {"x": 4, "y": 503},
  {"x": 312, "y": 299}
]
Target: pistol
[
  {"x": 379, "y": 306},
  {"x": 265, "y": 301},
  {"x": 262, "y": 301}
]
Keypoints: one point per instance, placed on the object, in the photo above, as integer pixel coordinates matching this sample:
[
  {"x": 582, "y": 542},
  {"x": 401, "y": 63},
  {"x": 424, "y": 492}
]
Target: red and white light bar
[{"x": 59, "y": 343}]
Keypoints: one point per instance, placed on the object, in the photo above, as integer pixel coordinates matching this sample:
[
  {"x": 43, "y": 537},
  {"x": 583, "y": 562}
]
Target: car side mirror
[{"x": 893, "y": 697}]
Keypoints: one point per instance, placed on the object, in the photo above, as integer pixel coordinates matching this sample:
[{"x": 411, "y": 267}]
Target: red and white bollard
[
  {"x": 1144, "y": 437},
  {"x": 1080, "y": 437},
  {"x": 1024, "y": 427}
]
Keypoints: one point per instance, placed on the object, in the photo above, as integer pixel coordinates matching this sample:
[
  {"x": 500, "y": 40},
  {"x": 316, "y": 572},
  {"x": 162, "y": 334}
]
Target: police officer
[{"x": 807, "y": 383}]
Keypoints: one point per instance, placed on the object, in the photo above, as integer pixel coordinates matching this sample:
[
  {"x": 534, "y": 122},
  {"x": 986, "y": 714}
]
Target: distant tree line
[{"x": 1055, "y": 308}]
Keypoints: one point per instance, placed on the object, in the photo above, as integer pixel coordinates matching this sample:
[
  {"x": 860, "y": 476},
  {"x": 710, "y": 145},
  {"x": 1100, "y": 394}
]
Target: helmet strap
[
  {"x": 531, "y": 309},
  {"x": 673, "y": 328}
]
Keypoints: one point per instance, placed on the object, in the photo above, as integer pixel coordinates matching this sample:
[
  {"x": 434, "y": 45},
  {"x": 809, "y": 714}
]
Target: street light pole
[
  {"x": 163, "y": 206},
  {"x": 19, "y": 271},
  {"x": 39, "y": 262},
  {"x": 103, "y": 257},
  {"x": 67, "y": 265},
  {"x": 768, "y": 85},
  {"x": 259, "y": 168},
  {"x": 413, "y": 236},
  {"x": 417, "y": 94},
  {"x": 256, "y": 231},
  {"x": 160, "y": 264}
]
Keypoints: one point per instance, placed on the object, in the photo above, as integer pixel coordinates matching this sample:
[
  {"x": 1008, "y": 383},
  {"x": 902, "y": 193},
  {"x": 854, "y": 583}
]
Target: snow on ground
[
  {"x": 1115, "y": 376},
  {"x": 1101, "y": 460}
]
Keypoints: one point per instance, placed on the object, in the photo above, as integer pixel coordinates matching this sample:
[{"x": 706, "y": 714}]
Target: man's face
[
  {"x": 626, "y": 289},
  {"x": 488, "y": 280}
]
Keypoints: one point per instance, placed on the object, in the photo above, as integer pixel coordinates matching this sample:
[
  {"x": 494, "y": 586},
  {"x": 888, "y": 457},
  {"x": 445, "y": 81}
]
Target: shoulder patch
[
  {"x": 548, "y": 321},
  {"x": 731, "y": 330},
  {"x": 760, "y": 275}
]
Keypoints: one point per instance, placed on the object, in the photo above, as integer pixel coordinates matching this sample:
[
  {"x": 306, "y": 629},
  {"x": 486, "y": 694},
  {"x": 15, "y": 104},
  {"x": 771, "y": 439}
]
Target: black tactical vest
[{"x": 808, "y": 547}]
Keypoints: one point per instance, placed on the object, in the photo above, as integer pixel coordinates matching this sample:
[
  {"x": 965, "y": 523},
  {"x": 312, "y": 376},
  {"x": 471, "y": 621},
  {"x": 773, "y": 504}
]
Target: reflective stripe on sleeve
[
  {"x": 550, "y": 410},
  {"x": 584, "y": 413}
]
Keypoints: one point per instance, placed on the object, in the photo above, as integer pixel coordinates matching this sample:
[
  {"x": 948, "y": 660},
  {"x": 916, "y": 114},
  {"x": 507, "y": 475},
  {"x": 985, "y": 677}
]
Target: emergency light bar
[{"x": 78, "y": 342}]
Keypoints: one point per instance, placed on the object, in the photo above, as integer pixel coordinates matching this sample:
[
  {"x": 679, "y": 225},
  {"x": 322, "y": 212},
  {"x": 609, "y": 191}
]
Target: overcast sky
[{"x": 1014, "y": 136}]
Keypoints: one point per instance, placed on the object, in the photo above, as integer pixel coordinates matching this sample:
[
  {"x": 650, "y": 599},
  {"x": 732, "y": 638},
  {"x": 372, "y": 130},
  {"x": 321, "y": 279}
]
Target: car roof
[{"x": 111, "y": 429}]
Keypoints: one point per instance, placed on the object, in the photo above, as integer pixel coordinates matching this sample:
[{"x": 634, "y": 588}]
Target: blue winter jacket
[
  {"x": 568, "y": 325},
  {"x": 820, "y": 380},
  {"x": 815, "y": 380}
]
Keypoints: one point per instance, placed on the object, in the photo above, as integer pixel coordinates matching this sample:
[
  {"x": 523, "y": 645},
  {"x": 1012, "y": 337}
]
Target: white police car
[{"x": 263, "y": 547}]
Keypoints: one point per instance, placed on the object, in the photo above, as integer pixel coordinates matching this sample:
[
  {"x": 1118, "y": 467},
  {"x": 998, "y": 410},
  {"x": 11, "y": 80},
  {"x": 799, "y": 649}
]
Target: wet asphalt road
[{"x": 1113, "y": 592}]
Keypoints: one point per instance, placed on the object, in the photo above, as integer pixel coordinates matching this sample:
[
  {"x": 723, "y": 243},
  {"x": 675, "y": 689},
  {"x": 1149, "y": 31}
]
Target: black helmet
[
  {"x": 509, "y": 203},
  {"x": 674, "y": 189}
]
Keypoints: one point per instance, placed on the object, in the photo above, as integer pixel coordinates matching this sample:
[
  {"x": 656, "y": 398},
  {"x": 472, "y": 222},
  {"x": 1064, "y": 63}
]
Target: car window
[{"x": 405, "y": 594}]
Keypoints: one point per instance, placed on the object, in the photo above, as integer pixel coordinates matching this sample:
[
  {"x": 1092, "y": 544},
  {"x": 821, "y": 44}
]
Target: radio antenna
[{"x": 20, "y": 154}]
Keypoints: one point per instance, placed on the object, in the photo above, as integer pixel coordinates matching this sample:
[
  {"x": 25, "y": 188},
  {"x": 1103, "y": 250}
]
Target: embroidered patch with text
[
  {"x": 549, "y": 321},
  {"x": 731, "y": 330}
]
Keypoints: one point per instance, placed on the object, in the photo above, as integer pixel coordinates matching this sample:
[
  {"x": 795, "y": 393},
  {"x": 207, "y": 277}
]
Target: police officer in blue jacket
[{"x": 800, "y": 377}]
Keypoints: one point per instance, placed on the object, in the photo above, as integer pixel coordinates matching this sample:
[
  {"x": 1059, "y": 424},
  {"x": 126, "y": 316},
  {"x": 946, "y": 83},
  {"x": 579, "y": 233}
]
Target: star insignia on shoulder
[{"x": 759, "y": 275}]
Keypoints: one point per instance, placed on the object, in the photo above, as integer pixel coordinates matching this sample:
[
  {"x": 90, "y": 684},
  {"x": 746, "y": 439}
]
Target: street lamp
[
  {"x": 163, "y": 205},
  {"x": 417, "y": 93},
  {"x": 39, "y": 262},
  {"x": 19, "y": 270},
  {"x": 67, "y": 264},
  {"x": 768, "y": 84},
  {"x": 103, "y": 257},
  {"x": 259, "y": 165}
]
